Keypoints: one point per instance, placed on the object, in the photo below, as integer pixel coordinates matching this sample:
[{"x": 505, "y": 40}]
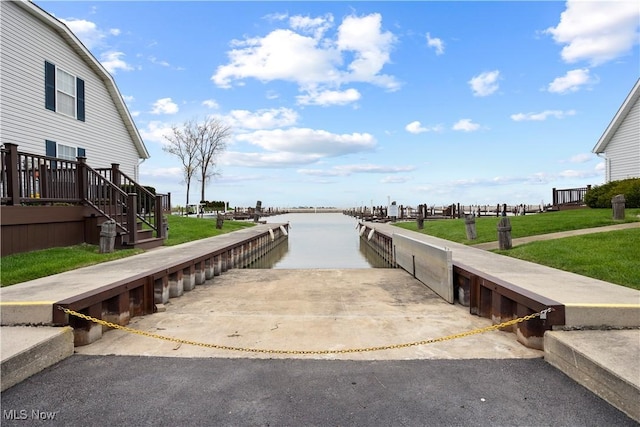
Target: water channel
[{"x": 320, "y": 240}]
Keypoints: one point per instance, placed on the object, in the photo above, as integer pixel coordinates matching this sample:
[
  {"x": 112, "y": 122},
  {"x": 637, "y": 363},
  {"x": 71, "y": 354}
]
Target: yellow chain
[{"x": 316, "y": 352}]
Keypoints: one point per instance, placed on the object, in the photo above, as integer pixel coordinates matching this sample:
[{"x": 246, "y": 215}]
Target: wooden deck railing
[
  {"x": 569, "y": 196},
  {"x": 30, "y": 178},
  {"x": 27, "y": 178}
]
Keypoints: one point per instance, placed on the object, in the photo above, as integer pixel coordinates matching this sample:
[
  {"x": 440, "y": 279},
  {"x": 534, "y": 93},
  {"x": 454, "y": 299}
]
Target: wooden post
[
  {"x": 256, "y": 216},
  {"x": 165, "y": 227},
  {"x": 618, "y": 204},
  {"x": 420, "y": 219},
  {"x": 13, "y": 176},
  {"x": 504, "y": 233},
  {"x": 115, "y": 174},
  {"x": 115, "y": 180},
  {"x": 44, "y": 180},
  {"x": 470, "y": 227},
  {"x": 158, "y": 219},
  {"x": 132, "y": 224},
  {"x": 83, "y": 187},
  {"x": 107, "y": 236}
]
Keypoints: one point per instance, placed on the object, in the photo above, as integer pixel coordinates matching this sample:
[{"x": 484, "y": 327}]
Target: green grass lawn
[
  {"x": 184, "y": 229},
  {"x": 32, "y": 265},
  {"x": 521, "y": 226},
  {"x": 612, "y": 256},
  {"x": 19, "y": 268}
]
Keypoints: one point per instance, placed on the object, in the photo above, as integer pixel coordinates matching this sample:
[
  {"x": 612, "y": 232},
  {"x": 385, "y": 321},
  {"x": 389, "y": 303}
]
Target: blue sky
[{"x": 350, "y": 103}]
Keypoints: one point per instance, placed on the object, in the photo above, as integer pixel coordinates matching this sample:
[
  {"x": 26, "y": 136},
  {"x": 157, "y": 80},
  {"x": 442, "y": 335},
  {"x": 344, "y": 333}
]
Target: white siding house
[
  {"x": 57, "y": 99},
  {"x": 619, "y": 145}
]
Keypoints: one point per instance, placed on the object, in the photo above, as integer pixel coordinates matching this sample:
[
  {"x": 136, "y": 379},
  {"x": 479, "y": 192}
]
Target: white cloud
[
  {"x": 310, "y": 141},
  {"x": 581, "y": 158},
  {"x": 543, "y": 115},
  {"x": 346, "y": 170},
  {"x": 466, "y": 125},
  {"x": 232, "y": 179},
  {"x": 261, "y": 119},
  {"x": 155, "y": 131},
  {"x": 435, "y": 43},
  {"x": 160, "y": 62},
  {"x": 321, "y": 172},
  {"x": 571, "y": 173},
  {"x": 570, "y": 82},
  {"x": 306, "y": 55},
  {"x": 363, "y": 36},
  {"x": 86, "y": 31},
  {"x": 597, "y": 31},
  {"x": 267, "y": 160},
  {"x": 415, "y": 127},
  {"x": 329, "y": 97},
  {"x": 315, "y": 26},
  {"x": 281, "y": 55},
  {"x": 358, "y": 168},
  {"x": 485, "y": 84},
  {"x": 394, "y": 180},
  {"x": 164, "y": 106},
  {"x": 174, "y": 172},
  {"x": 210, "y": 103},
  {"x": 113, "y": 62}
]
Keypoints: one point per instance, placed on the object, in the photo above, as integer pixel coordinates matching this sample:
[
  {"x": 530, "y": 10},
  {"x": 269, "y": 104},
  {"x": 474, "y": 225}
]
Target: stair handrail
[
  {"x": 148, "y": 207},
  {"x": 105, "y": 197}
]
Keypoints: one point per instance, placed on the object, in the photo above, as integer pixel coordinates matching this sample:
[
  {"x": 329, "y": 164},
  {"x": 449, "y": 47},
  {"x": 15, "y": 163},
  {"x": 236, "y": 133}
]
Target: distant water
[{"x": 320, "y": 240}]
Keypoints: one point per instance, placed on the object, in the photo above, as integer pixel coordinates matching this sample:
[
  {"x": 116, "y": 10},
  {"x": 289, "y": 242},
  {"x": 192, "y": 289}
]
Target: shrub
[{"x": 600, "y": 196}]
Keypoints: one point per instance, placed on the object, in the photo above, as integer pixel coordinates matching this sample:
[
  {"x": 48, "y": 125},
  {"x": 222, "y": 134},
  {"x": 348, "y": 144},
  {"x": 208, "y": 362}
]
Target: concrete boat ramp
[
  {"x": 326, "y": 311},
  {"x": 312, "y": 310}
]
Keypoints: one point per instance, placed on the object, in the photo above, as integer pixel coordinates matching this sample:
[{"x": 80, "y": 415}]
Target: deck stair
[{"x": 106, "y": 193}]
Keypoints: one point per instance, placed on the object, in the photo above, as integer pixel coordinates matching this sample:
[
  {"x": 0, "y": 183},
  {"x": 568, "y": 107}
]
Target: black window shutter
[
  {"x": 51, "y": 148},
  {"x": 51, "y": 151},
  {"x": 80, "y": 99},
  {"x": 50, "y": 86},
  {"x": 82, "y": 152}
]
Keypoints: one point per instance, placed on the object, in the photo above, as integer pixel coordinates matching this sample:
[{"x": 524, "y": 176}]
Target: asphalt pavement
[{"x": 160, "y": 391}]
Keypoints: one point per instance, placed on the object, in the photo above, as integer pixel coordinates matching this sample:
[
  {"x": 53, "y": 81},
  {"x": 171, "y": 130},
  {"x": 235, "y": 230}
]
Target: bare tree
[
  {"x": 198, "y": 145},
  {"x": 212, "y": 136},
  {"x": 182, "y": 143}
]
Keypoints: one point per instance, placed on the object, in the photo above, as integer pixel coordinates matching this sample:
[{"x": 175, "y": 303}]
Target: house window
[
  {"x": 67, "y": 153},
  {"x": 64, "y": 92},
  {"x": 61, "y": 151}
]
